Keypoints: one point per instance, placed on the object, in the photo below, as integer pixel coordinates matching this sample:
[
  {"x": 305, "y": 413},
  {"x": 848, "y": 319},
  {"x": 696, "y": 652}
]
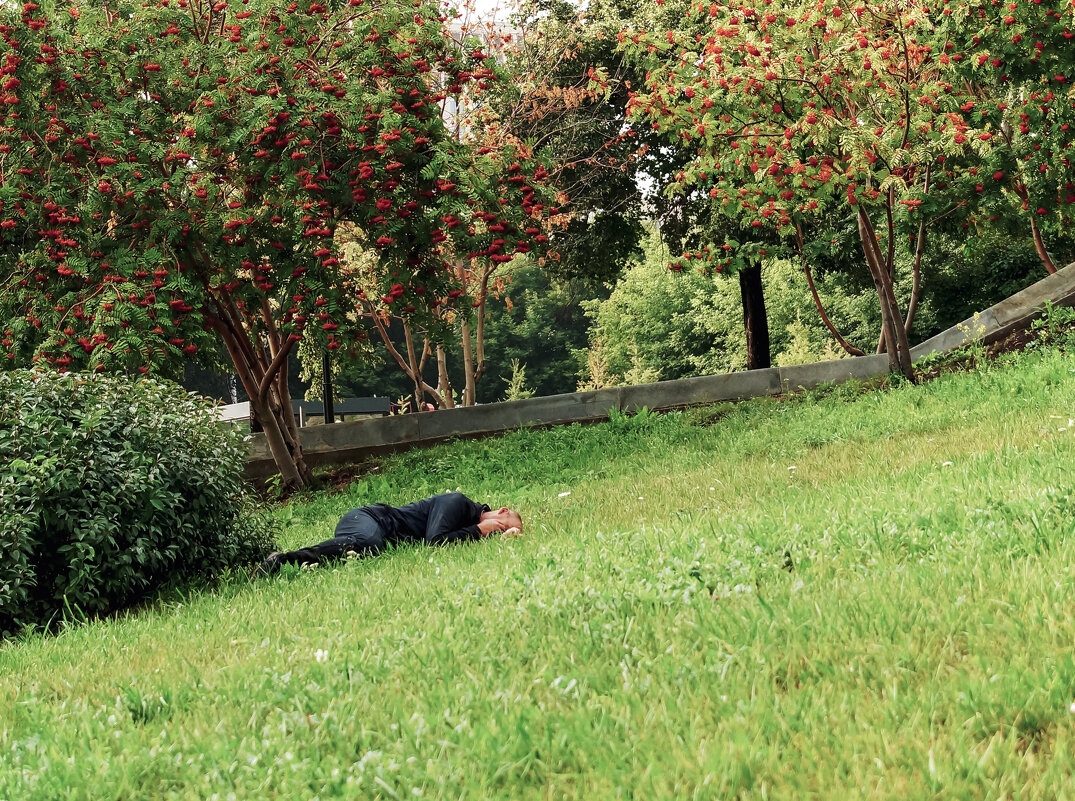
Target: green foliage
[
  {"x": 180, "y": 177},
  {"x": 110, "y": 488},
  {"x": 800, "y": 350},
  {"x": 972, "y": 268},
  {"x": 974, "y": 349},
  {"x": 543, "y": 327},
  {"x": 677, "y": 325},
  {"x": 311, "y": 358},
  {"x": 556, "y": 50},
  {"x": 797, "y": 119},
  {"x": 517, "y": 388},
  {"x": 689, "y": 323},
  {"x": 1019, "y": 125},
  {"x": 535, "y": 318},
  {"x": 645, "y": 422},
  {"x": 797, "y": 115},
  {"x": 1055, "y": 328},
  {"x": 166, "y": 175},
  {"x": 594, "y": 372}
]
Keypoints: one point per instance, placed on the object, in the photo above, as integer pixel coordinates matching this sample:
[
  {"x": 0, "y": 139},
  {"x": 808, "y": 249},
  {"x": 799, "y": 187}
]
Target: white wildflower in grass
[
  {"x": 321, "y": 655},
  {"x": 946, "y": 464}
]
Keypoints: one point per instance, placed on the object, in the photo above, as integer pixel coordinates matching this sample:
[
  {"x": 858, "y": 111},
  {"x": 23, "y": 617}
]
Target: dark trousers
[{"x": 356, "y": 531}]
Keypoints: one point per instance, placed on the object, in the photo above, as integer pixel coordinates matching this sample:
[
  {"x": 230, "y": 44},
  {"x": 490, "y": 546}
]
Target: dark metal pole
[{"x": 326, "y": 387}]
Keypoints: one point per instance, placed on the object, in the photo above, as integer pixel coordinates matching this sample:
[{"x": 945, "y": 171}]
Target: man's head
[{"x": 508, "y": 518}]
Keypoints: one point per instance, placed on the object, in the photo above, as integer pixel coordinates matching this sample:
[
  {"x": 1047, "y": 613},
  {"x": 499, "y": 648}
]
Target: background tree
[
  {"x": 1017, "y": 64},
  {"x": 681, "y": 324},
  {"x": 794, "y": 113},
  {"x": 557, "y": 50},
  {"x": 478, "y": 264}
]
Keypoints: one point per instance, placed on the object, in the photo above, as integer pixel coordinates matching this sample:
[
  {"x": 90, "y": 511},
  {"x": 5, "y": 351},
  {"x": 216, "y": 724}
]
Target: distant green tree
[
  {"x": 558, "y": 49},
  {"x": 544, "y": 328},
  {"x": 677, "y": 325}
]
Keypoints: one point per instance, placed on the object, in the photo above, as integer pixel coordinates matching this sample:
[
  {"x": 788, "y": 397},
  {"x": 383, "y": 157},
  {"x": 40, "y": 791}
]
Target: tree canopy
[
  {"x": 176, "y": 174},
  {"x": 896, "y": 113}
]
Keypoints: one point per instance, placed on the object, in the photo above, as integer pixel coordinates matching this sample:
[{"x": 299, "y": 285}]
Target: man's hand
[
  {"x": 514, "y": 531},
  {"x": 490, "y": 526}
]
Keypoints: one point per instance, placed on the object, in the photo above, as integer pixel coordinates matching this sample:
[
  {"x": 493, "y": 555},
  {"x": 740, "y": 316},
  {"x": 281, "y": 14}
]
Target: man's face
[{"x": 508, "y": 518}]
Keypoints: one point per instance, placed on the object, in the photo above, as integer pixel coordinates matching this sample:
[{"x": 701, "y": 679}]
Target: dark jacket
[{"x": 452, "y": 517}]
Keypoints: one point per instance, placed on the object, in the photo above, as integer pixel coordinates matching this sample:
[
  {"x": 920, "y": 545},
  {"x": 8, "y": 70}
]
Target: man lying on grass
[{"x": 439, "y": 520}]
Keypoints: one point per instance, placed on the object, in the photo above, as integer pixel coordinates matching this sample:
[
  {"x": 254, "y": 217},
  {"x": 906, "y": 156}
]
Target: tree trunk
[
  {"x": 280, "y": 398},
  {"x": 470, "y": 391},
  {"x": 847, "y": 346},
  {"x": 286, "y": 450},
  {"x": 412, "y": 372},
  {"x": 326, "y": 387},
  {"x": 483, "y": 295},
  {"x": 1039, "y": 246},
  {"x": 263, "y": 374},
  {"x": 902, "y": 341},
  {"x": 755, "y": 321},
  {"x": 415, "y": 369},
  {"x": 916, "y": 274},
  {"x": 916, "y": 278},
  {"x": 899, "y": 357},
  {"x": 444, "y": 384},
  {"x": 916, "y": 288},
  {"x": 843, "y": 343},
  {"x": 291, "y": 471}
]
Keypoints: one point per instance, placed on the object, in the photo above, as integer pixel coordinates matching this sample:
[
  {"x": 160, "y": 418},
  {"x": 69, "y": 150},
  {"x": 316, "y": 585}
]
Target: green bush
[
  {"x": 109, "y": 488},
  {"x": 677, "y": 325}
]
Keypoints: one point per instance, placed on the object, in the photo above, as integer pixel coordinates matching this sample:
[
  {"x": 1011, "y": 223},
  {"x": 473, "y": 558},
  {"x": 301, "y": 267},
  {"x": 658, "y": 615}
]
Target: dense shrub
[
  {"x": 110, "y": 487},
  {"x": 676, "y": 325}
]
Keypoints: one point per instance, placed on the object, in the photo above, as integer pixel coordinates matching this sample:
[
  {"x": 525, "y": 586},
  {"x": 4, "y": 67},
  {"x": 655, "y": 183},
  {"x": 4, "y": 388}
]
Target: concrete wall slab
[
  {"x": 957, "y": 336},
  {"x": 701, "y": 390},
  {"x": 497, "y": 417},
  {"x": 808, "y": 376}
]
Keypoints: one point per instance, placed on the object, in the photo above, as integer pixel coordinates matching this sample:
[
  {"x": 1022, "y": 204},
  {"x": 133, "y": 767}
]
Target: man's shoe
[{"x": 270, "y": 566}]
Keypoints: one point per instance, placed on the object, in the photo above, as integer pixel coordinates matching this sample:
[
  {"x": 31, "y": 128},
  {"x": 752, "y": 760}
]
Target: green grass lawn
[{"x": 842, "y": 595}]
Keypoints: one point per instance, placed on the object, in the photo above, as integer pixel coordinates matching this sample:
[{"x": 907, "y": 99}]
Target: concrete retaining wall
[
  {"x": 1010, "y": 315},
  {"x": 348, "y": 442}
]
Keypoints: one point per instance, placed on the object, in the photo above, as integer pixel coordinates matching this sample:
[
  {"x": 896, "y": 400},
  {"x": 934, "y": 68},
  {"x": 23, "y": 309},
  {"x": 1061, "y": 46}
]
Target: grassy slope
[{"x": 644, "y": 640}]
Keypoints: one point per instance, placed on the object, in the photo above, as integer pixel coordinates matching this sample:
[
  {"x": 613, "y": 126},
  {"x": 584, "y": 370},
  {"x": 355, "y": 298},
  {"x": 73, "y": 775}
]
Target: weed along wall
[{"x": 347, "y": 442}]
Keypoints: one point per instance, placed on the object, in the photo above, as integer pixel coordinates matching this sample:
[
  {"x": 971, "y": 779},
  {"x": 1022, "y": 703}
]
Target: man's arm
[{"x": 454, "y": 518}]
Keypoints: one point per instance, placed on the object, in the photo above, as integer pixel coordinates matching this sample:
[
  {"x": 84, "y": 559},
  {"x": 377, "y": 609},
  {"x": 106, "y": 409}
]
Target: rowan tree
[
  {"x": 798, "y": 113},
  {"x": 1014, "y": 113},
  {"x": 484, "y": 117},
  {"x": 174, "y": 175}
]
